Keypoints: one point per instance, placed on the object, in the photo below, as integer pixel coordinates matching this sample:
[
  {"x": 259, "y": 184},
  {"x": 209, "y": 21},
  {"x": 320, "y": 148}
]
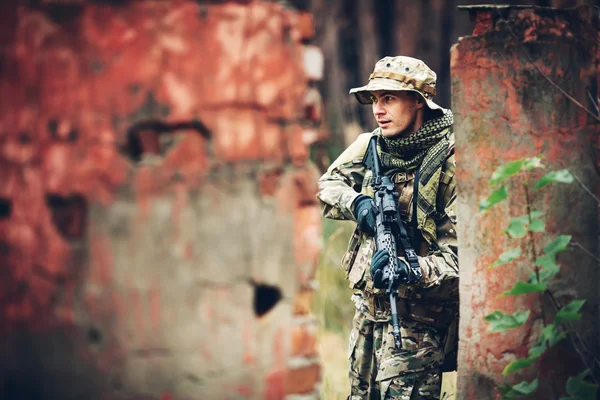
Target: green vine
[{"x": 543, "y": 269}]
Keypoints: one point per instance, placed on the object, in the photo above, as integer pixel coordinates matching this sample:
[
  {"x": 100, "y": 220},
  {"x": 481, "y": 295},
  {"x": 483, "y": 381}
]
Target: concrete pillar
[
  {"x": 507, "y": 108},
  {"x": 158, "y": 222}
]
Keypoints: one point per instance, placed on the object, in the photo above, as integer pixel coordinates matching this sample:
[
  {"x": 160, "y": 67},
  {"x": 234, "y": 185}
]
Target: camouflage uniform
[{"x": 426, "y": 309}]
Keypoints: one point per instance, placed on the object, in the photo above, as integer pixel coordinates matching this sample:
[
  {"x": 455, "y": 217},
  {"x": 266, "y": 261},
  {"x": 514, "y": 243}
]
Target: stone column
[{"x": 525, "y": 83}]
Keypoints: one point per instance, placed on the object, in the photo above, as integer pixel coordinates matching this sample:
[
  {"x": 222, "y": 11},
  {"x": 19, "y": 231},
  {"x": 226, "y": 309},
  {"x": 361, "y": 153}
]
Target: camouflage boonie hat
[{"x": 400, "y": 73}]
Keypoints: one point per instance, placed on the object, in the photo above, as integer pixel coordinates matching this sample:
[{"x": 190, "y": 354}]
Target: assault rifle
[{"x": 389, "y": 230}]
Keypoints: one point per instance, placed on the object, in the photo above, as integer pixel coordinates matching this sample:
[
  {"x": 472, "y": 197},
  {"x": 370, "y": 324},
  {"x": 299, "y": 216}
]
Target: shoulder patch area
[
  {"x": 449, "y": 167},
  {"x": 355, "y": 152}
]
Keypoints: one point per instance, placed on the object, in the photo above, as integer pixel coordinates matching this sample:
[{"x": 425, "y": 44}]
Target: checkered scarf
[{"x": 424, "y": 147}]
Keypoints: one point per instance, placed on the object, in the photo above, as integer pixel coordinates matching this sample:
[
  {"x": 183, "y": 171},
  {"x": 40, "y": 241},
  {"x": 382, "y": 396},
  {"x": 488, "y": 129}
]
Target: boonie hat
[{"x": 400, "y": 73}]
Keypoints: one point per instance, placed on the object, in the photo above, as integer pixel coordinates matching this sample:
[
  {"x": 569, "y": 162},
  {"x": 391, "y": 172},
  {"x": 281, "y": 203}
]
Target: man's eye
[{"x": 389, "y": 98}]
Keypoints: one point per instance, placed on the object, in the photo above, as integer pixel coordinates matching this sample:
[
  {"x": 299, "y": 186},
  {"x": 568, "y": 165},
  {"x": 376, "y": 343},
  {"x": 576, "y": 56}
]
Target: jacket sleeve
[
  {"x": 339, "y": 187},
  {"x": 440, "y": 267}
]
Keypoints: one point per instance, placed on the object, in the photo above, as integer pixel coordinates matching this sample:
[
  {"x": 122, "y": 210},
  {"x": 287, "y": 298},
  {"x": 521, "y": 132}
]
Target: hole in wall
[
  {"x": 24, "y": 138},
  {"x": 266, "y": 298},
  {"x": 69, "y": 214},
  {"x": 144, "y": 137},
  {"x": 94, "y": 335},
  {"x": 5, "y": 208}
]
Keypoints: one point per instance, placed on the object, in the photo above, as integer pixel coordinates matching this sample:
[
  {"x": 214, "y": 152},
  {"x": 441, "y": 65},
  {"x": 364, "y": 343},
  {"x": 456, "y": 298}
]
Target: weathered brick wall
[
  {"x": 506, "y": 108},
  {"x": 158, "y": 225}
]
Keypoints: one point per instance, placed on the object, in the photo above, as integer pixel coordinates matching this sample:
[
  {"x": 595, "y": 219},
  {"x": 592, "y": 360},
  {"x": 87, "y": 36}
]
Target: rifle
[{"x": 389, "y": 230}]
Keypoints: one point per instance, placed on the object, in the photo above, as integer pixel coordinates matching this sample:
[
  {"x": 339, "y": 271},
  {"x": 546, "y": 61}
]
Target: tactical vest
[{"x": 356, "y": 259}]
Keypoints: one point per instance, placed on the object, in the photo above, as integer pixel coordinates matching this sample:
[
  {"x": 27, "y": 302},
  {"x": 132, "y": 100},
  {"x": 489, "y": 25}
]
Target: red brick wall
[{"x": 158, "y": 222}]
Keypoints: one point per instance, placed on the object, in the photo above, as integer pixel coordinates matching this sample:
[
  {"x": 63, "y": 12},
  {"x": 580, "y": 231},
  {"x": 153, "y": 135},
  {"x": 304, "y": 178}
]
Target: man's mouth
[{"x": 383, "y": 124}]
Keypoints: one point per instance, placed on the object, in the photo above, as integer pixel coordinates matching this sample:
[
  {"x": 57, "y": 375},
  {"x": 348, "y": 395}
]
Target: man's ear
[{"x": 420, "y": 102}]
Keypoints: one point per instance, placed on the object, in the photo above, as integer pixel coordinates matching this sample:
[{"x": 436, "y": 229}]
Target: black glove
[
  {"x": 380, "y": 259},
  {"x": 365, "y": 212}
]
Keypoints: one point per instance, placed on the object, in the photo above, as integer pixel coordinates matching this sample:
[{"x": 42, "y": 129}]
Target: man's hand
[
  {"x": 379, "y": 261},
  {"x": 365, "y": 212}
]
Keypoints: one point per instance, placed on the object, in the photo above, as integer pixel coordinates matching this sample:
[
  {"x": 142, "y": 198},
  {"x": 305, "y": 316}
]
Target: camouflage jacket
[{"x": 346, "y": 179}]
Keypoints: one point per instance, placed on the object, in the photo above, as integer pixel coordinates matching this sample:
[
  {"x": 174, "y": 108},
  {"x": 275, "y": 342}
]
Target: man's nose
[{"x": 378, "y": 109}]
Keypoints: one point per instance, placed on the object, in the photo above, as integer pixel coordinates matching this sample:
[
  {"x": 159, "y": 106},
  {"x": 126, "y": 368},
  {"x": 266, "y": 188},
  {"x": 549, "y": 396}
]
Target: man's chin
[{"x": 391, "y": 133}]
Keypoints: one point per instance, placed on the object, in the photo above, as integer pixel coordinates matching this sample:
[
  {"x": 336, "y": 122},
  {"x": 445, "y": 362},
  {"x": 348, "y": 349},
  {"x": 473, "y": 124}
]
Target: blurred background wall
[{"x": 158, "y": 222}]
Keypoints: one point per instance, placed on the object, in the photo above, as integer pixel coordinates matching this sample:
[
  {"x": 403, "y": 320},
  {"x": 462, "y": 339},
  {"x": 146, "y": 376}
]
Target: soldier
[{"x": 415, "y": 145}]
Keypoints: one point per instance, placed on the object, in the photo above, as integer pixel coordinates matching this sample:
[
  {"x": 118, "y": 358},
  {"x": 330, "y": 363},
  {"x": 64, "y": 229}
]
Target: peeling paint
[{"x": 505, "y": 109}]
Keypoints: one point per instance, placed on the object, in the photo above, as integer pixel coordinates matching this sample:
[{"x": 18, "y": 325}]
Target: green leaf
[
  {"x": 546, "y": 260},
  {"x": 552, "y": 335},
  {"x": 537, "y": 226},
  {"x": 557, "y": 245},
  {"x": 500, "y": 322},
  {"x": 519, "y": 364},
  {"x": 525, "y": 387},
  {"x": 538, "y": 349},
  {"x": 497, "y": 196},
  {"x": 582, "y": 375},
  {"x": 561, "y": 176},
  {"x": 517, "y": 227},
  {"x": 507, "y": 256},
  {"x": 519, "y": 390},
  {"x": 579, "y": 389},
  {"x": 512, "y": 168},
  {"x": 506, "y": 171},
  {"x": 525, "y": 288},
  {"x": 534, "y": 162},
  {"x": 549, "y": 336},
  {"x": 548, "y": 270},
  {"x": 535, "y": 214},
  {"x": 570, "y": 312}
]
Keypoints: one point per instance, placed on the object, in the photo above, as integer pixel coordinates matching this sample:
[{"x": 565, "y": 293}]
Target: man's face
[{"x": 396, "y": 112}]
